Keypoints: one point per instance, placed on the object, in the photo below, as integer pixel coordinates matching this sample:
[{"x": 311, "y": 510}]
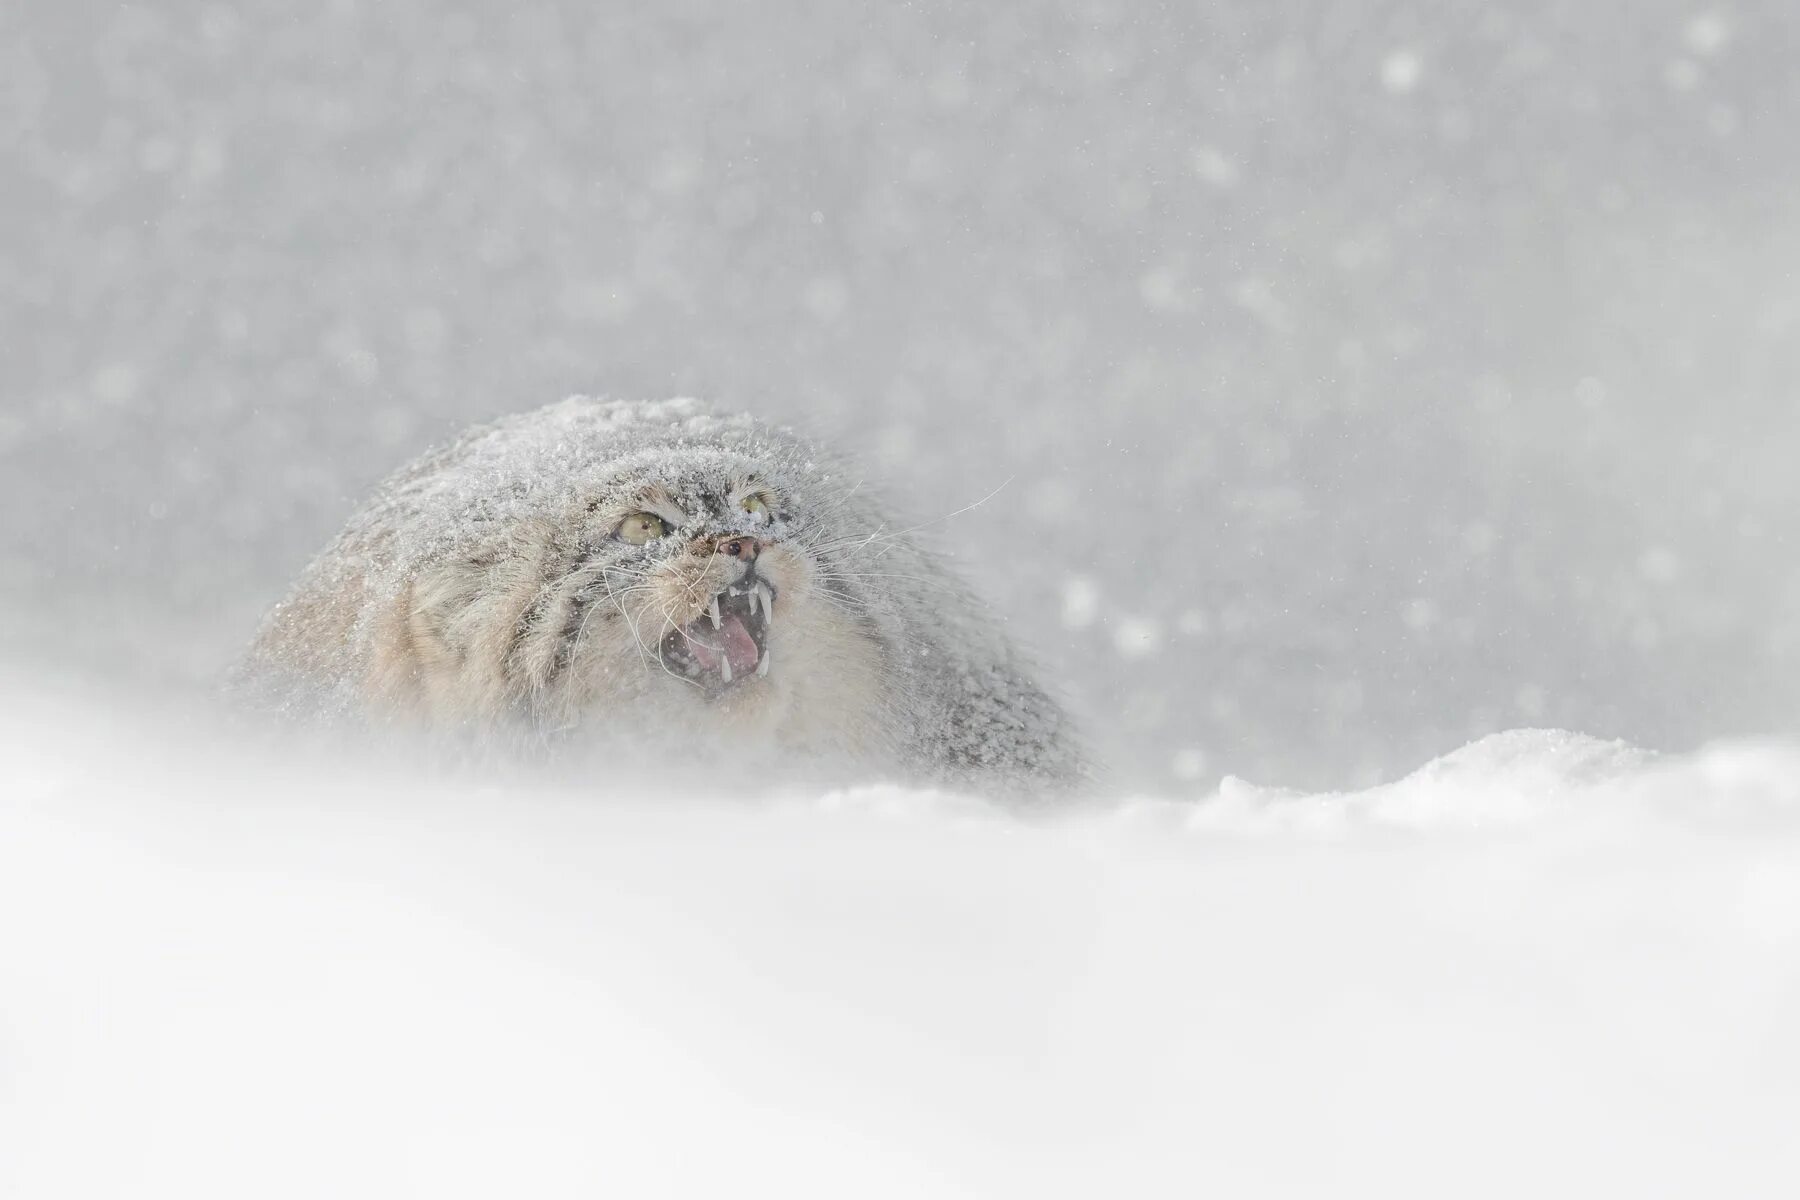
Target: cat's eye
[
  {"x": 639, "y": 528},
  {"x": 756, "y": 506}
]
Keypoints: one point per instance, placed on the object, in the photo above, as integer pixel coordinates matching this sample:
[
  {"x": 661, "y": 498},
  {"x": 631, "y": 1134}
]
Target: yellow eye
[
  {"x": 756, "y": 506},
  {"x": 639, "y": 528}
]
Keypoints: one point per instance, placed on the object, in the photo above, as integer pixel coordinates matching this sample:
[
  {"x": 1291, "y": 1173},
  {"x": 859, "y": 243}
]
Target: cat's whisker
[
  {"x": 668, "y": 621},
  {"x": 856, "y": 544},
  {"x": 588, "y": 616},
  {"x": 925, "y": 579},
  {"x": 692, "y": 585},
  {"x": 842, "y": 500},
  {"x": 618, "y": 600}
]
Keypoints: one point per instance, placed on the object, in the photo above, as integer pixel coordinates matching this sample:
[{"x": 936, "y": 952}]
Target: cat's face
[
  {"x": 697, "y": 566},
  {"x": 709, "y": 580}
]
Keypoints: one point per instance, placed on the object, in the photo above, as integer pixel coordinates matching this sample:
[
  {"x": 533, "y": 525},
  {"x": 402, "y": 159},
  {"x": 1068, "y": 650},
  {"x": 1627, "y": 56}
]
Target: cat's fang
[
  {"x": 768, "y": 601},
  {"x": 725, "y": 668},
  {"x": 762, "y": 667},
  {"x": 712, "y": 610}
]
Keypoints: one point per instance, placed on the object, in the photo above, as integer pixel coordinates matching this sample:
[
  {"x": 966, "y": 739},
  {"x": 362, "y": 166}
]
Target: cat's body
[{"x": 649, "y": 578}]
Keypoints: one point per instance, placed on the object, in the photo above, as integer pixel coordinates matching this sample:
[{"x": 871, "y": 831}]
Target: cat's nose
[{"x": 739, "y": 547}]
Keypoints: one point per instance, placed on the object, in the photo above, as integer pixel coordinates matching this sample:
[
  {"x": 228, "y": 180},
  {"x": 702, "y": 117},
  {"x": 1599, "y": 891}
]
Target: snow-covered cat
[{"x": 656, "y": 579}]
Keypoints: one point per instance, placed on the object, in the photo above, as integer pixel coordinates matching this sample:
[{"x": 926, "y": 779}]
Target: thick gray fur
[{"x": 958, "y": 702}]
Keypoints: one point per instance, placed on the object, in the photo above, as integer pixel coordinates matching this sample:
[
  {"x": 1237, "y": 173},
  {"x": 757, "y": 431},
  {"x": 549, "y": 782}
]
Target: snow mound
[{"x": 1541, "y": 965}]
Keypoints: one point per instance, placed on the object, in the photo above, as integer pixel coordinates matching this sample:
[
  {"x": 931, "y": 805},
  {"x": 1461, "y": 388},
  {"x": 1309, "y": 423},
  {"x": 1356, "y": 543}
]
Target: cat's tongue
[{"x": 735, "y": 645}]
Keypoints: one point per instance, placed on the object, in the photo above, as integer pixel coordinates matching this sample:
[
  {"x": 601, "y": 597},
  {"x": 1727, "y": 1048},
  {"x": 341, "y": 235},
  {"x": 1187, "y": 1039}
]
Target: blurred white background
[{"x": 1369, "y": 376}]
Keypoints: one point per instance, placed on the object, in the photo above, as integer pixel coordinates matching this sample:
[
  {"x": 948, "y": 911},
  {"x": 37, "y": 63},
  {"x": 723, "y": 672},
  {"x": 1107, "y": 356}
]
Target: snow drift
[{"x": 1541, "y": 965}]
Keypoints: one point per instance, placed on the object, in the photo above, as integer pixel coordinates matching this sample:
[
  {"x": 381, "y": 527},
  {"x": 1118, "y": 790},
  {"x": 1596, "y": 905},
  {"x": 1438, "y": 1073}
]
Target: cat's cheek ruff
[{"x": 528, "y": 634}]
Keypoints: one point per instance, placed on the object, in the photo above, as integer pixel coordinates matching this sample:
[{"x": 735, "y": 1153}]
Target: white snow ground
[{"x": 1540, "y": 966}]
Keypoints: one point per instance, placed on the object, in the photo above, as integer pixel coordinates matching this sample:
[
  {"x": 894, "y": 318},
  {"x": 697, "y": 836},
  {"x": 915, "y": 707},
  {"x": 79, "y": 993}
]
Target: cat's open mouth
[{"x": 728, "y": 642}]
